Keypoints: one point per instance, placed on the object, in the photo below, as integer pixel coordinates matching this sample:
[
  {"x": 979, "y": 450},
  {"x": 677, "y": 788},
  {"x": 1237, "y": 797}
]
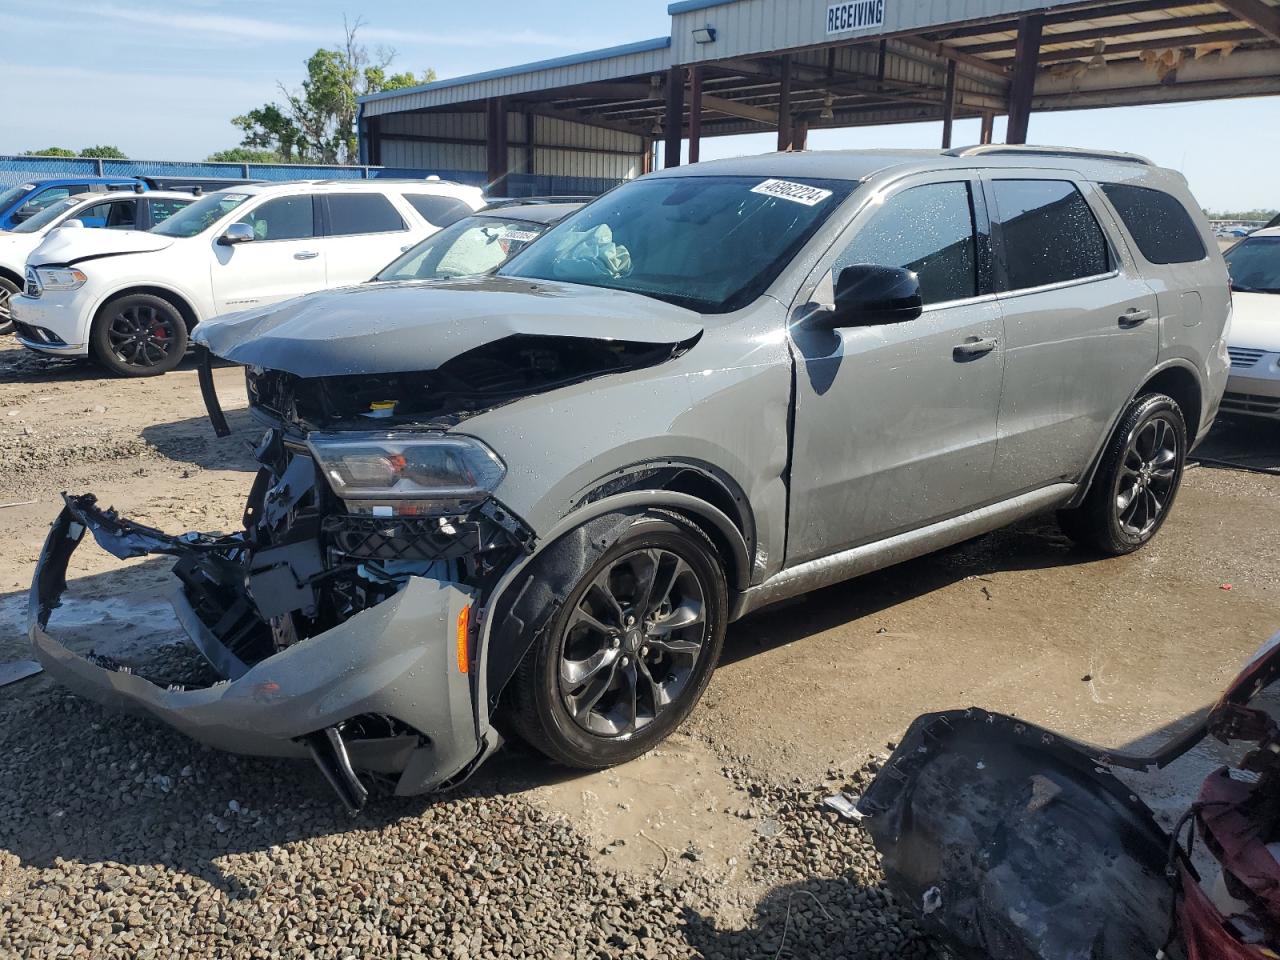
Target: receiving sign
[{"x": 856, "y": 15}]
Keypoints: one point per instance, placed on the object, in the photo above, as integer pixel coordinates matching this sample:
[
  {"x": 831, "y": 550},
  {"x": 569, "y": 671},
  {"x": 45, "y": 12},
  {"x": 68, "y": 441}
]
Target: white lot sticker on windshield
[
  {"x": 520, "y": 236},
  {"x": 795, "y": 192},
  {"x": 235, "y": 196}
]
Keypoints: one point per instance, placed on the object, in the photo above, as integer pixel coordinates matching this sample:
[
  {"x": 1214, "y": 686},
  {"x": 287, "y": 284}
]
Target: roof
[
  {"x": 532, "y": 212},
  {"x": 376, "y": 185},
  {"x": 1267, "y": 232}
]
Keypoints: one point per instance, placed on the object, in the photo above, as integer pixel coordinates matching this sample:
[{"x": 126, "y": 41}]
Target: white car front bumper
[
  {"x": 52, "y": 323},
  {"x": 1253, "y": 386}
]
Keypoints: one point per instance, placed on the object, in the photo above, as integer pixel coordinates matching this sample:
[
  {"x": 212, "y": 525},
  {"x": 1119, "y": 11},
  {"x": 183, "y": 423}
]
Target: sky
[{"x": 161, "y": 80}]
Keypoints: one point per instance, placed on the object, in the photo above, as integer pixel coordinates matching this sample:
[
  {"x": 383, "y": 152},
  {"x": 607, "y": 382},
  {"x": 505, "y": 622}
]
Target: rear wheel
[
  {"x": 1137, "y": 480},
  {"x": 7, "y": 289},
  {"x": 138, "y": 335},
  {"x": 630, "y": 651}
]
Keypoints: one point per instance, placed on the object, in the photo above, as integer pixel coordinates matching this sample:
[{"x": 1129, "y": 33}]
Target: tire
[
  {"x": 570, "y": 698},
  {"x": 7, "y": 289},
  {"x": 138, "y": 335},
  {"x": 1137, "y": 480}
]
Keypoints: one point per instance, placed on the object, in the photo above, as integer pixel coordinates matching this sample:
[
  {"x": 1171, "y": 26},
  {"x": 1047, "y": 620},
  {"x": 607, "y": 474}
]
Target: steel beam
[
  {"x": 949, "y": 105},
  {"x": 784, "y": 106},
  {"x": 496, "y": 146},
  {"x": 695, "y": 113},
  {"x": 735, "y": 108},
  {"x": 1118, "y": 30},
  {"x": 674, "y": 118},
  {"x": 1025, "y": 67},
  {"x": 1257, "y": 14},
  {"x": 1155, "y": 43}
]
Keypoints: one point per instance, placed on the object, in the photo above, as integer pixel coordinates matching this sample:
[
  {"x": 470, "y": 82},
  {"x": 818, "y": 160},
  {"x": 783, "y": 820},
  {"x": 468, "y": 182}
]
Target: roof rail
[{"x": 1074, "y": 153}]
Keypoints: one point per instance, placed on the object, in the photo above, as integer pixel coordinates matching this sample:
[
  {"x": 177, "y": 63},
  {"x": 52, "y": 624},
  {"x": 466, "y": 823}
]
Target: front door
[
  {"x": 1081, "y": 327},
  {"x": 895, "y": 425},
  {"x": 283, "y": 260}
]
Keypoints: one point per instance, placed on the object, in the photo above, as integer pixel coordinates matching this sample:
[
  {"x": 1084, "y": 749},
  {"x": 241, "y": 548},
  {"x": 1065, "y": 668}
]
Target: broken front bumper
[{"x": 397, "y": 660}]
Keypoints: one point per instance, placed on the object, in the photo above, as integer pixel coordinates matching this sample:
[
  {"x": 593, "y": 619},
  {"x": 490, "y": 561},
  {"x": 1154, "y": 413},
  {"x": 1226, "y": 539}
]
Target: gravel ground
[{"x": 119, "y": 838}]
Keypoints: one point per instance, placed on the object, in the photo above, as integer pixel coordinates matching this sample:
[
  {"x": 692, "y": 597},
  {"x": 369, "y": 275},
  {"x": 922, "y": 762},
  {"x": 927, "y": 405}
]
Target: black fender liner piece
[
  {"x": 527, "y": 606},
  {"x": 209, "y": 393},
  {"x": 1010, "y": 844}
]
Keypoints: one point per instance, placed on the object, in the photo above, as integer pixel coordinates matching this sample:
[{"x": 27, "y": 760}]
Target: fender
[
  {"x": 492, "y": 677},
  {"x": 185, "y": 299},
  {"x": 1086, "y": 479}
]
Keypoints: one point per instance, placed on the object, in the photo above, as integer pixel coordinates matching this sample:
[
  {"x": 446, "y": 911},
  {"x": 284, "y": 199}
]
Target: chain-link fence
[{"x": 20, "y": 169}]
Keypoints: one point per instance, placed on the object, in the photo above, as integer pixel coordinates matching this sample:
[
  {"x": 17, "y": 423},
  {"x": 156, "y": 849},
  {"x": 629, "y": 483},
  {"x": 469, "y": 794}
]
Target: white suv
[
  {"x": 114, "y": 210},
  {"x": 129, "y": 299}
]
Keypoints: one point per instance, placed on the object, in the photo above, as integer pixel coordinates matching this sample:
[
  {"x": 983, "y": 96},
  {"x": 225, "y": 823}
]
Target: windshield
[
  {"x": 13, "y": 193},
  {"x": 1255, "y": 265},
  {"x": 201, "y": 215},
  {"x": 711, "y": 244},
  {"x": 471, "y": 246},
  {"x": 47, "y": 215}
]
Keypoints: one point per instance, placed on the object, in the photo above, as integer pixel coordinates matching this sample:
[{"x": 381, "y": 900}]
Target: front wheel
[
  {"x": 1137, "y": 479},
  {"x": 138, "y": 335},
  {"x": 629, "y": 652},
  {"x": 7, "y": 289}
]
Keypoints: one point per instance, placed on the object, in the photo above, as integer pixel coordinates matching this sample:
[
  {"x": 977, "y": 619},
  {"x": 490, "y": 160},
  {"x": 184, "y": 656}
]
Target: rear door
[
  {"x": 283, "y": 260},
  {"x": 895, "y": 424},
  {"x": 363, "y": 233},
  {"x": 1081, "y": 326}
]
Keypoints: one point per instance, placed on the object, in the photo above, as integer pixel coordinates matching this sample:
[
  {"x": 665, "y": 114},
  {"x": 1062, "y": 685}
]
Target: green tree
[
  {"x": 103, "y": 152},
  {"x": 317, "y": 122},
  {"x": 50, "y": 152},
  {"x": 245, "y": 155}
]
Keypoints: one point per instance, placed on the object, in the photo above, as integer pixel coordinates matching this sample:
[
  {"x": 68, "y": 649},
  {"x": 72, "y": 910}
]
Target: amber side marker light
[{"x": 464, "y": 639}]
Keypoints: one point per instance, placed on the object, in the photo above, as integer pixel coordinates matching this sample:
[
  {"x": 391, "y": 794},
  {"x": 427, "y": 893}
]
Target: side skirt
[{"x": 856, "y": 561}]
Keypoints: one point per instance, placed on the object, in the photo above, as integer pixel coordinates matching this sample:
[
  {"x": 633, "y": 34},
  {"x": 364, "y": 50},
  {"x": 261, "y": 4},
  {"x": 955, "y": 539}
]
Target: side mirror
[
  {"x": 869, "y": 295},
  {"x": 236, "y": 233},
  {"x": 74, "y": 224}
]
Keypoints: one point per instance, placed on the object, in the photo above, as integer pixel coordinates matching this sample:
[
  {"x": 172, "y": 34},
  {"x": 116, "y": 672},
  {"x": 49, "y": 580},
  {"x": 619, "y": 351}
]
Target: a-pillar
[{"x": 1026, "y": 63}]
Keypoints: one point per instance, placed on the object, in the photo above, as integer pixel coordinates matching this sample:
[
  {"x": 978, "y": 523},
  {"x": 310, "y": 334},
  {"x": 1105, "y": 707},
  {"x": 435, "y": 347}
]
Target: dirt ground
[{"x": 1118, "y": 651}]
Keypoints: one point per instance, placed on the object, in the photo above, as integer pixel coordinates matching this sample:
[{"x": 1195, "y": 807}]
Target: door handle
[
  {"x": 1134, "y": 317},
  {"x": 975, "y": 347},
  {"x": 305, "y": 255}
]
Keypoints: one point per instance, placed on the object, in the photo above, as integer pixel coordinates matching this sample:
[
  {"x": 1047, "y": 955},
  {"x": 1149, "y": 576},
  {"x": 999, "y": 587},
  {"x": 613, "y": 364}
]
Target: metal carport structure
[{"x": 747, "y": 66}]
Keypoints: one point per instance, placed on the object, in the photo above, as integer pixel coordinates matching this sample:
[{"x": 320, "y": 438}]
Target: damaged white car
[{"x": 532, "y": 501}]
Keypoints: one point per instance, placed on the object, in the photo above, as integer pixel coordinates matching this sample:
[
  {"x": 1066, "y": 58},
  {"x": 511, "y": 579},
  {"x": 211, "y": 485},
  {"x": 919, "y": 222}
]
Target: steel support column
[
  {"x": 988, "y": 128},
  {"x": 784, "y": 105},
  {"x": 496, "y": 146},
  {"x": 949, "y": 105},
  {"x": 1026, "y": 63},
  {"x": 695, "y": 113},
  {"x": 674, "y": 118}
]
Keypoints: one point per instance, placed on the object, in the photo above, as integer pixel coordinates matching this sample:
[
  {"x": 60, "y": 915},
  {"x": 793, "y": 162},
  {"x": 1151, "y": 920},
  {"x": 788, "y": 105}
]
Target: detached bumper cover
[{"x": 396, "y": 659}]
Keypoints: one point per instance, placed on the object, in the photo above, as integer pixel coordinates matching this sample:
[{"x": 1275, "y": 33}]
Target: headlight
[
  {"x": 60, "y": 278},
  {"x": 389, "y": 466}
]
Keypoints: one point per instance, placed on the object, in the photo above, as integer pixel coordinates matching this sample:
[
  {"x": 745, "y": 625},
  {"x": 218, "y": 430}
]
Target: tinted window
[
  {"x": 1050, "y": 234},
  {"x": 362, "y": 213},
  {"x": 284, "y": 218},
  {"x": 438, "y": 211},
  {"x": 41, "y": 200},
  {"x": 1160, "y": 225},
  {"x": 200, "y": 215},
  {"x": 116, "y": 214},
  {"x": 1255, "y": 265},
  {"x": 928, "y": 229},
  {"x": 710, "y": 243},
  {"x": 468, "y": 247},
  {"x": 162, "y": 208}
]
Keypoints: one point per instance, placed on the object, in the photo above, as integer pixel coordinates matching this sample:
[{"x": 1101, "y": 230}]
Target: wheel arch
[
  {"x": 1176, "y": 378},
  {"x": 180, "y": 302},
  {"x": 506, "y": 634},
  {"x": 12, "y": 276}
]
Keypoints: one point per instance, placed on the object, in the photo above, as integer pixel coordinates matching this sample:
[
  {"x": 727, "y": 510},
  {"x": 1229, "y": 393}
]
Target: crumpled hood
[
  {"x": 75, "y": 246},
  {"x": 1255, "y": 321},
  {"x": 419, "y": 325}
]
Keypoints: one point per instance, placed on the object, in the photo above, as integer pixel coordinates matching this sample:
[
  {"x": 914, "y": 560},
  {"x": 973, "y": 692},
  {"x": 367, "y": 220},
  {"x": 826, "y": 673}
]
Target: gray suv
[{"x": 533, "y": 501}]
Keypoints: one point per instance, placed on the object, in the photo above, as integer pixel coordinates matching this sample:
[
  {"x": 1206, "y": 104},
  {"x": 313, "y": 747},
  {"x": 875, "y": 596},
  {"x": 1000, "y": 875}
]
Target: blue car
[{"x": 25, "y": 200}]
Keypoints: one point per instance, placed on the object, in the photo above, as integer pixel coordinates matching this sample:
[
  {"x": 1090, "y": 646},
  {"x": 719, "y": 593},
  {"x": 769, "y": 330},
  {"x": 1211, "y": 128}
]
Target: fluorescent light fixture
[{"x": 705, "y": 34}]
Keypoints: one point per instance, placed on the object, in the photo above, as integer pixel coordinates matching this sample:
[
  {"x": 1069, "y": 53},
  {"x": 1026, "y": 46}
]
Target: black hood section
[{"x": 383, "y": 328}]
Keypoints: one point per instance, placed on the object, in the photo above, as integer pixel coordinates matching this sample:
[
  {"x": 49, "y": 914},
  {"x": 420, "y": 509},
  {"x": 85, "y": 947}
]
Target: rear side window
[
  {"x": 351, "y": 213},
  {"x": 927, "y": 229},
  {"x": 1049, "y": 233},
  {"x": 115, "y": 214},
  {"x": 1160, "y": 225},
  {"x": 284, "y": 218},
  {"x": 438, "y": 211}
]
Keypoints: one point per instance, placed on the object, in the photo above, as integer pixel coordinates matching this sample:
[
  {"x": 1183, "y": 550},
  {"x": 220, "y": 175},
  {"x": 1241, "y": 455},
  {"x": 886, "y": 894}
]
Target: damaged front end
[
  {"x": 1011, "y": 842},
  {"x": 341, "y": 628}
]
